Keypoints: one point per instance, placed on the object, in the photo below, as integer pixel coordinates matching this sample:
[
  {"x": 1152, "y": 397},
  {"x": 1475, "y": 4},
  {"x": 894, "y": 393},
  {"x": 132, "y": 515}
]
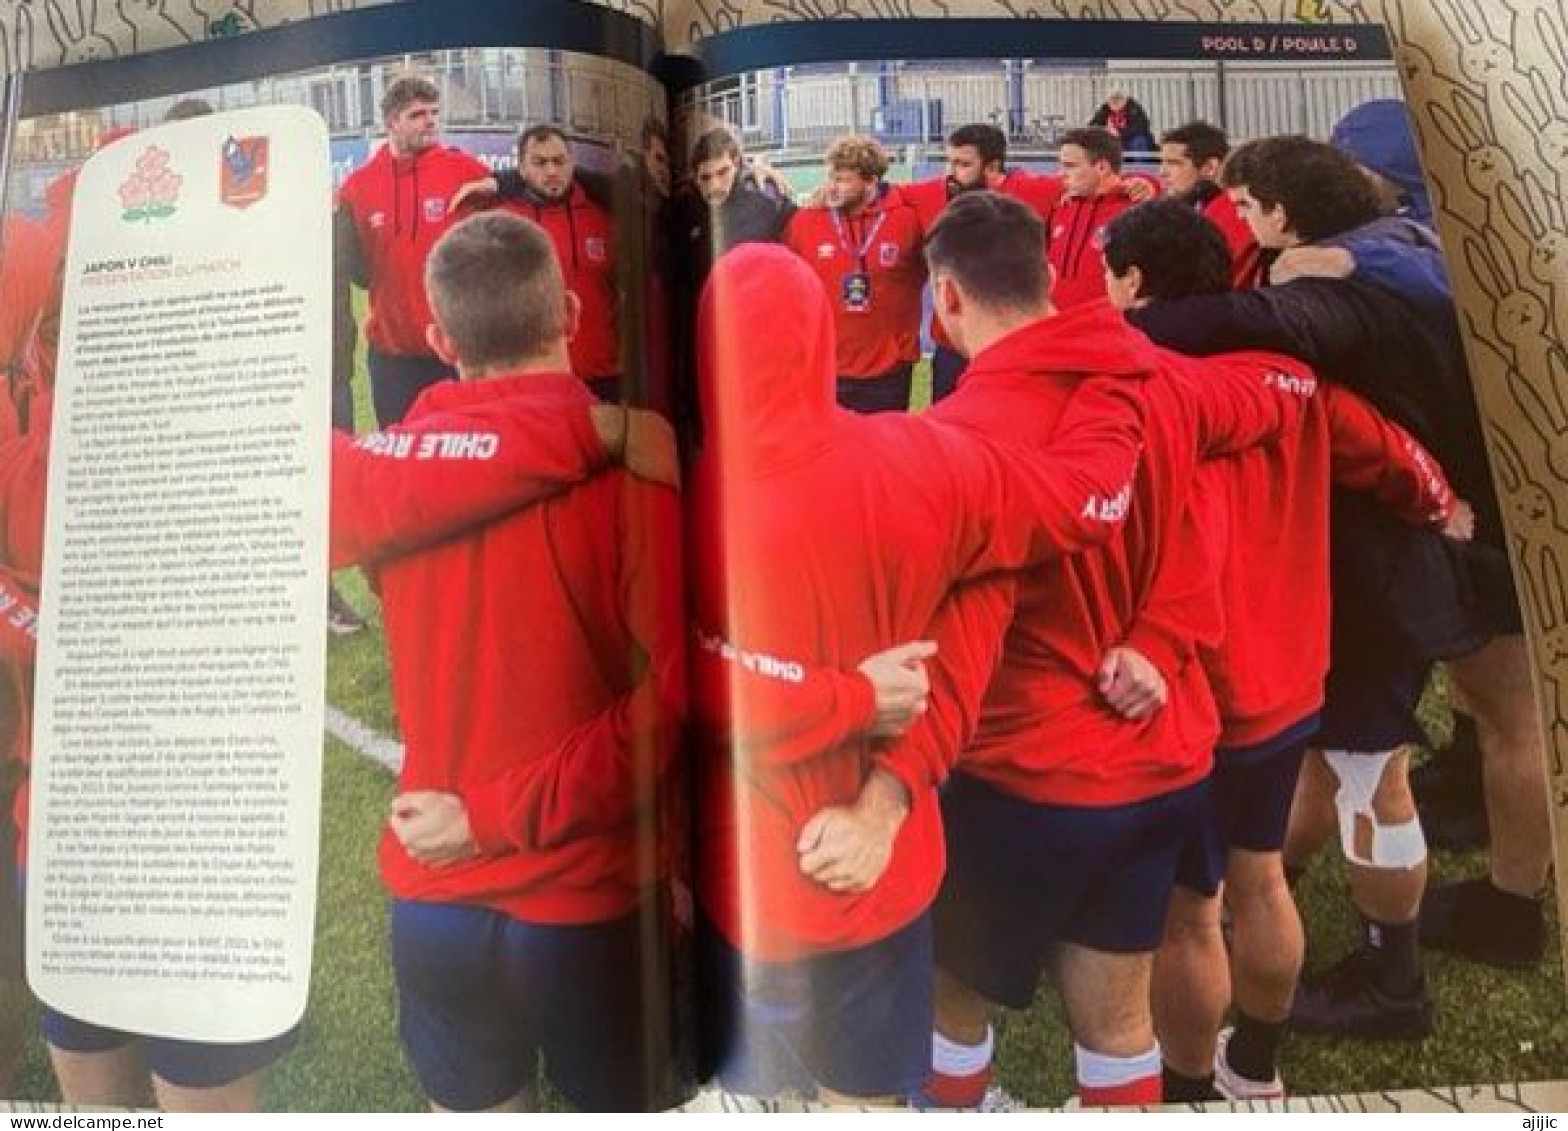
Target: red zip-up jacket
[
  {"x": 1269, "y": 537},
  {"x": 399, "y": 211},
  {"x": 1074, "y": 234},
  {"x": 584, "y": 237},
  {"x": 929, "y": 197},
  {"x": 392, "y": 492},
  {"x": 1040, "y": 729},
  {"x": 536, "y": 671},
  {"x": 822, "y": 537},
  {"x": 883, "y": 241}
]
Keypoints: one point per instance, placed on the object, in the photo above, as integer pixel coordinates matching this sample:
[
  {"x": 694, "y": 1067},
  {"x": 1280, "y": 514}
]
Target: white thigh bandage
[{"x": 1393, "y": 846}]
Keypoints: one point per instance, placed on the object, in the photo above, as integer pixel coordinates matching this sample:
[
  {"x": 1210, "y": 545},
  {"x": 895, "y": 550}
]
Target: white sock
[
  {"x": 953, "y": 1059},
  {"x": 1096, "y": 1070}
]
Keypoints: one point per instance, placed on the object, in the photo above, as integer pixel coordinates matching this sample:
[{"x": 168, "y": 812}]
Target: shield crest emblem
[{"x": 242, "y": 179}]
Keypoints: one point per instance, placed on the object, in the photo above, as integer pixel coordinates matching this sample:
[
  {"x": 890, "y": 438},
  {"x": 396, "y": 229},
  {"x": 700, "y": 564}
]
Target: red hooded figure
[{"x": 822, "y": 537}]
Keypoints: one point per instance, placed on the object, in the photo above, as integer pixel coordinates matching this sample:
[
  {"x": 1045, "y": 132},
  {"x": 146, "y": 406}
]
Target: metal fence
[
  {"x": 590, "y": 98},
  {"x": 911, "y": 105}
]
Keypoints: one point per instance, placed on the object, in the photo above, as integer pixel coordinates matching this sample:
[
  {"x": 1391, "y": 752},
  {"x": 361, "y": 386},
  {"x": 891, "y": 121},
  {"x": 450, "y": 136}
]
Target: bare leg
[
  {"x": 1267, "y": 943},
  {"x": 1191, "y": 983},
  {"x": 1313, "y": 820},
  {"x": 962, "y": 1015},
  {"x": 115, "y": 1078},
  {"x": 1107, "y": 999},
  {"x": 1495, "y": 683},
  {"x": 236, "y": 1097},
  {"x": 1388, "y": 895}
]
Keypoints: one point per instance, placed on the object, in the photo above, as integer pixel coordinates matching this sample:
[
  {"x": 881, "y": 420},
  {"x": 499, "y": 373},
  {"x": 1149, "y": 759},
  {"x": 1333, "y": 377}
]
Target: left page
[{"x": 342, "y": 688}]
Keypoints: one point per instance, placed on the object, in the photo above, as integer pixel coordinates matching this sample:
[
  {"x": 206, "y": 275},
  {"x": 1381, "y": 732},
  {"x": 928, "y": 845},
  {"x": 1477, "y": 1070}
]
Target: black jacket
[
  {"x": 750, "y": 214},
  {"x": 1438, "y": 599}
]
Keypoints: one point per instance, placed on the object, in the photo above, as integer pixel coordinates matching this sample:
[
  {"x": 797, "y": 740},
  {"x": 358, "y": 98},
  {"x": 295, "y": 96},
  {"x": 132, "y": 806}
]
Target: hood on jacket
[
  {"x": 1402, "y": 230},
  {"x": 1379, "y": 136},
  {"x": 397, "y": 170},
  {"x": 1092, "y": 339},
  {"x": 766, "y": 363}
]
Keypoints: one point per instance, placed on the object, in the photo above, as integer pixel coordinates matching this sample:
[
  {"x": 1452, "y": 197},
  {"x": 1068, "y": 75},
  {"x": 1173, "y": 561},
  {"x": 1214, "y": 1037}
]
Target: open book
[{"x": 623, "y": 725}]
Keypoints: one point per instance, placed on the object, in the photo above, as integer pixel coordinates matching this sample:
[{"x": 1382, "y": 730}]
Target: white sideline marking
[{"x": 384, "y": 751}]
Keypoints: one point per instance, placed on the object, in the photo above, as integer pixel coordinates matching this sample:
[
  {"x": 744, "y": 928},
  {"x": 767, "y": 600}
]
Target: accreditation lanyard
[
  {"x": 840, "y": 229},
  {"x": 855, "y": 287}
]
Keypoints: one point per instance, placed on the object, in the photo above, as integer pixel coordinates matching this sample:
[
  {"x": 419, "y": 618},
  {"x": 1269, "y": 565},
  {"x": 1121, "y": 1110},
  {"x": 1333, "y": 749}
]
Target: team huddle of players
[
  {"x": 1034, "y": 682},
  {"x": 1039, "y": 681}
]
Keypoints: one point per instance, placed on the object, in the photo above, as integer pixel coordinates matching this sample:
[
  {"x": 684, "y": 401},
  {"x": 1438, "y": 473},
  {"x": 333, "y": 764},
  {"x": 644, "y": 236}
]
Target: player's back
[
  {"x": 504, "y": 642},
  {"x": 1045, "y": 733}
]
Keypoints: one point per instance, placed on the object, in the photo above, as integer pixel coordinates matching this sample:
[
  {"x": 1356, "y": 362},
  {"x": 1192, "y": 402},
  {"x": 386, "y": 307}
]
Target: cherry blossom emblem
[{"x": 152, "y": 190}]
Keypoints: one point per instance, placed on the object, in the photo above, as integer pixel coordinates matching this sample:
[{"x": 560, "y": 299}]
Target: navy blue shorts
[
  {"x": 855, "y": 1021},
  {"x": 1253, "y": 789},
  {"x": 481, "y": 995},
  {"x": 185, "y": 1064},
  {"x": 1022, "y": 877},
  {"x": 887, "y": 392},
  {"x": 1370, "y": 699}
]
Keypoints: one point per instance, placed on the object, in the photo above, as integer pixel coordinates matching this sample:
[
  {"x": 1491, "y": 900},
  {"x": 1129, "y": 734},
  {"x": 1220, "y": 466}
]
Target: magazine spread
[{"x": 965, "y": 565}]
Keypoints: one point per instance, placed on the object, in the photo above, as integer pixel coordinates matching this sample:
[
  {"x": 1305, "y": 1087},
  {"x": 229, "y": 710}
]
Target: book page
[
  {"x": 486, "y": 736},
  {"x": 172, "y": 856},
  {"x": 837, "y": 129}
]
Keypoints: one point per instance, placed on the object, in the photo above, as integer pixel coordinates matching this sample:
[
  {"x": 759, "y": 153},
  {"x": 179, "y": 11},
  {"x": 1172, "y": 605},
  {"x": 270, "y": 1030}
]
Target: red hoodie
[
  {"x": 399, "y": 209},
  {"x": 882, "y": 242},
  {"x": 1269, "y": 536},
  {"x": 536, "y": 671},
  {"x": 24, "y": 472},
  {"x": 1044, "y": 733},
  {"x": 392, "y": 491},
  {"x": 29, "y": 281},
  {"x": 1074, "y": 234},
  {"x": 822, "y": 537},
  {"x": 584, "y": 238}
]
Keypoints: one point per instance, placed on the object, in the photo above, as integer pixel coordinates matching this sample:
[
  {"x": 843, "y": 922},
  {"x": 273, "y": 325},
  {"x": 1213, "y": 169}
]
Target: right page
[
  {"x": 1124, "y": 573},
  {"x": 411, "y": 835}
]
